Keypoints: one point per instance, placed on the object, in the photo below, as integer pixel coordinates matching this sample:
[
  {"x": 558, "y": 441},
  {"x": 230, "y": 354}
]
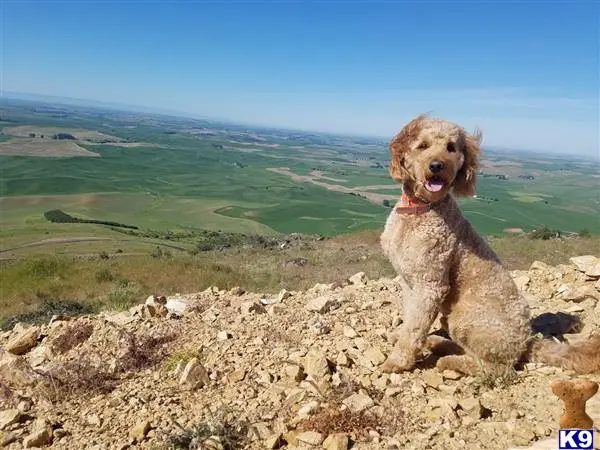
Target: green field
[{"x": 167, "y": 173}]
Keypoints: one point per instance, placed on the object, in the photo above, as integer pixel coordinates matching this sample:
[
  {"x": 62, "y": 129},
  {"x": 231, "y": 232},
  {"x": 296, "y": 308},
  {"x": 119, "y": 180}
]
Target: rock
[
  {"x": 321, "y": 304},
  {"x": 306, "y": 409},
  {"x": 252, "y": 307},
  {"x": 283, "y": 295},
  {"x": 580, "y": 293},
  {"x": 584, "y": 263},
  {"x": 273, "y": 442},
  {"x": 375, "y": 356},
  {"x": 342, "y": 360},
  {"x": 451, "y": 375},
  {"x": 223, "y": 335},
  {"x": 139, "y": 431},
  {"x": 358, "y": 278},
  {"x": 522, "y": 282},
  {"x": 8, "y": 438},
  {"x": 522, "y": 433},
  {"x": 358, "y": 402},
  {"x": 433, "y": 379},
  {"x": 175, "y": 306},
  {"x": 23, "y": 341},
  {"x": 337, "y": 441},
  {"x": 194, "y": 375},
  {"x": 310, "y": 437},
  {"x": 575, "y": 309},
  {"x": 122, "y": 318},
  {"x": 40, "y": 436},
  {"x": 316, "y": 364},
  {"x": 236, "y": 291},
  {"x": 319, "y": 326},
  {"x": 295, "y": 372},
  {"x": 472, "y": 407},
  {"x": 237, "y": 375},
  {"x": 594, "y": 271},
  {"x": 277, "y": 309},
  {"x": 39, "y": 355},
  {"x": 541, "y": 266},
  {"x": 9, "y": 417},
  {"x": 350, "y": 332},
  {"x": 15, "y": 372}
]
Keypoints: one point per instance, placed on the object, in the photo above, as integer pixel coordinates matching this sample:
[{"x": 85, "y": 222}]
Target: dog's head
[{"x": 432, "y": 156}]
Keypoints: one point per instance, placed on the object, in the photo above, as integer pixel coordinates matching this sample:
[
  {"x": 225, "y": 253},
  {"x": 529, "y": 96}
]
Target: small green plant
[
  {"x": 184, "y": 355},
  {"x": 103, "y": 255}
]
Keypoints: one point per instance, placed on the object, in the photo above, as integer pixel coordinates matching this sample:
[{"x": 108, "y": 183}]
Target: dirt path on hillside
[
  {"x": 371, "y": 196},
  {"x": 73, "y": 240}
]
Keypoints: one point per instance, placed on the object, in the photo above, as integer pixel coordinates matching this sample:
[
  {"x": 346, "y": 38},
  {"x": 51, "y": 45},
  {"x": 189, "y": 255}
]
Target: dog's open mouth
[{"x": 435, "y": 184}]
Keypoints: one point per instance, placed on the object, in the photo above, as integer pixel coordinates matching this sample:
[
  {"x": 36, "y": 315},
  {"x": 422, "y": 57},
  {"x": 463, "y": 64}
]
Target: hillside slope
[{"x": 226, "y": 369}]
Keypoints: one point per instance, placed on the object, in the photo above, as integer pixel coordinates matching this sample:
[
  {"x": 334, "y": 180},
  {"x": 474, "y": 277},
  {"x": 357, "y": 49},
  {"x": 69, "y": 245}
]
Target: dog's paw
[{"x": 398, "y": 361}]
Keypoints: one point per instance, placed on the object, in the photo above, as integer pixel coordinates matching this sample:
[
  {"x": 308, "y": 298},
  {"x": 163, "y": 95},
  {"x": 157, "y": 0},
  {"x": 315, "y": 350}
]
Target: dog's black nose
[{"x": 436, "y": 166}]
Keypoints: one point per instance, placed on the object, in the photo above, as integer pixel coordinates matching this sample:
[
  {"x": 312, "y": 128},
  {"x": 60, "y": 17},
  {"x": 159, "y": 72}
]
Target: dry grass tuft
[
  {"x": 331, "y": 420},
  {"x": 98, "y": 367}
]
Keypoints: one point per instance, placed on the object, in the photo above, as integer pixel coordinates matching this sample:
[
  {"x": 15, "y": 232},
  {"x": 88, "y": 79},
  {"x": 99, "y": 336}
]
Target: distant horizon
[{"x": 123, "y": 107}]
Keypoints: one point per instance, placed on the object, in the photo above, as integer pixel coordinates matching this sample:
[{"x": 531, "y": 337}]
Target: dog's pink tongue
[{"x": 434, "y": 185}]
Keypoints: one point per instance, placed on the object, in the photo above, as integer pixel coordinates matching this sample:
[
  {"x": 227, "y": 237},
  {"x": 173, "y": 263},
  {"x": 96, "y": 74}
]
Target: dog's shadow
[{"x": 549, "y": 325}]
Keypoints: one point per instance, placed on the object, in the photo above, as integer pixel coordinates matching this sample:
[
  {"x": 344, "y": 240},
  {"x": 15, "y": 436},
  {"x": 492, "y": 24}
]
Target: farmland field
[{"x": 170, "y": 174}]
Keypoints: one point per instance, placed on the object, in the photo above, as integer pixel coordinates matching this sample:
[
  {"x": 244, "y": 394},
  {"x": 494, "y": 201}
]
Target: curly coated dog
[{"x": 447, "y": 270}]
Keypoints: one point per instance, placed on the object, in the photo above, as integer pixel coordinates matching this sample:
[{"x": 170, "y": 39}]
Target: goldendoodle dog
[{"x": 447, "y": 270}]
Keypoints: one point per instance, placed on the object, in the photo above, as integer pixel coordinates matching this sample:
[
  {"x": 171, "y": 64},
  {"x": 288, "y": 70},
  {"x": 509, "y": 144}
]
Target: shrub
[
  {"x": 123, "y": 295},
  {"x": 104, "y": 275},
  {"x": 545, "y": 233}
]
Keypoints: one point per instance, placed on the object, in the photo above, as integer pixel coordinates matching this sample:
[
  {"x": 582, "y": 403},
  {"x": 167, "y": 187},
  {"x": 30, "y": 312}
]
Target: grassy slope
[{"x": 122, "y": 280}]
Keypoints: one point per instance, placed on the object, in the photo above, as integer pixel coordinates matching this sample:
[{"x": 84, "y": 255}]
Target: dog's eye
[
  {"x": 423, "y": 146},
  {"x": 451, "y": 147}
]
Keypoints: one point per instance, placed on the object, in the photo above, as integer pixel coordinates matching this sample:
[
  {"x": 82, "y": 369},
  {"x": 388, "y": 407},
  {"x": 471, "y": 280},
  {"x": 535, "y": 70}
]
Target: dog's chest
[{"x": 413, "y": 243}]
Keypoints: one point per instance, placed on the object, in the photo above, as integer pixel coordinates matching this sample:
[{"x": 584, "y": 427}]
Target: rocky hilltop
[{"x": 229, "y": 369}]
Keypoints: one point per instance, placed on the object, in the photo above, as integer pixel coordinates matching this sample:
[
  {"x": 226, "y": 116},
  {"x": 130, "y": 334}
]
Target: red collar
[{"x": 412, "y": 205}]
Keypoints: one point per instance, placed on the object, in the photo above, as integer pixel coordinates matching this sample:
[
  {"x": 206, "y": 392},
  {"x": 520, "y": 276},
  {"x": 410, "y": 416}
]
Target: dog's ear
[
  {"x": 400, "y": 146},
  {"x": 464, "y": 184}
]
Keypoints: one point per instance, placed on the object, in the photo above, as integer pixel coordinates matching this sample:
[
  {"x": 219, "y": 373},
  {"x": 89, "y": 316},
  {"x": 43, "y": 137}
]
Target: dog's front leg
[{"x": 421, "y": 307}]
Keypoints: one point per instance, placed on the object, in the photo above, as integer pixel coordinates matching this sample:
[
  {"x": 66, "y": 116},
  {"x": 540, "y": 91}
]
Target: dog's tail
[{"x": 582, "y": 357}]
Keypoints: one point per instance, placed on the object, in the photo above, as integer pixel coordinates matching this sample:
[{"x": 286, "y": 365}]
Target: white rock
[
  {"x": 176, "y": 307},
  {"x": 358, "y": 278},
  {"x": 584, "y": 263},
  {"x": 311, "y": 438},
  {"x": 283, "y": 295},
  {"x": 321, "y": 304},
  {"x": 358, "y": 402},
  {"x": 350, "y": 332}
]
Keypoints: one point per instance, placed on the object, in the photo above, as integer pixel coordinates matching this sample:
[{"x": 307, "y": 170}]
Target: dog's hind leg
[
  {"x": 459, "y": 363},
  {"x": 440, "y": 346}
]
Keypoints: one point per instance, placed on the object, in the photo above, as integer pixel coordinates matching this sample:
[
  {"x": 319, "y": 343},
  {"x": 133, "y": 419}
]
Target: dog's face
[{"x": 432, "y": 156}]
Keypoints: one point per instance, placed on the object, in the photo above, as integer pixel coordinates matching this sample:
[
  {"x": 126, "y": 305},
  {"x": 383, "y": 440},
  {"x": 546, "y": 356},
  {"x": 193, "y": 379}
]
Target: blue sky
[{"x": 525, "y": 72}]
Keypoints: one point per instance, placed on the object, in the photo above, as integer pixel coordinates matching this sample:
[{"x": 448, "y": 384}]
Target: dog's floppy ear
[
  {"x": 464, "y": 184},
  {"x": 400, "y": 146}
]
